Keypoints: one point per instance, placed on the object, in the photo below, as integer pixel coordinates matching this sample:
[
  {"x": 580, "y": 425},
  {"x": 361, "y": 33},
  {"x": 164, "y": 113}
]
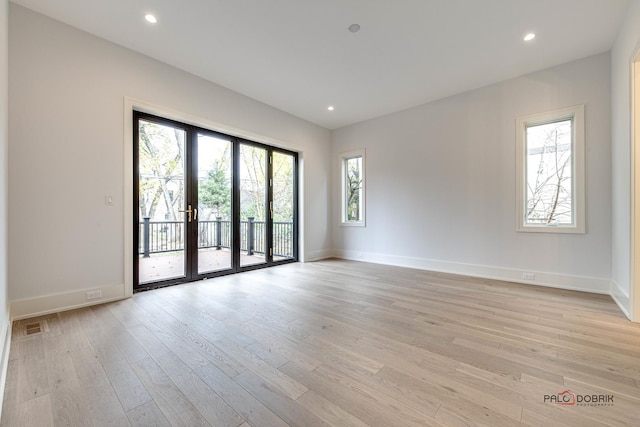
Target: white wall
[
  {"x": 625, "y": 46},
  {"x": 66, "y": 148},
  {"x": 441, "y": 183},
  {"x": 5, "y": 324}
]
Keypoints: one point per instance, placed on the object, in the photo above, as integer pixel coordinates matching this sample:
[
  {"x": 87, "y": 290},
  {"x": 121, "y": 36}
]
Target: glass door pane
[
  {"x": 161, "y": 186},
  {"x": 253, "y": 205},
  {"x": 207, "y": 203},
  {"x": 283, "y": 206},
  {"x": 214, "y": 203}
]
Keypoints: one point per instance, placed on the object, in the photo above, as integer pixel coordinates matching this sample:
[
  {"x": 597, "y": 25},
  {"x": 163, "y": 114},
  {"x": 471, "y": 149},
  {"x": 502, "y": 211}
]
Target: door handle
[
  {"x": 195, "y": 214},
  {"x": 188, "y": 211}
]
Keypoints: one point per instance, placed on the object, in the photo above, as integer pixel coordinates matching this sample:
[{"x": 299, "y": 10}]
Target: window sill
[
  {"x": 353, "y": 224},
  {"x": 551, "y": 229}
]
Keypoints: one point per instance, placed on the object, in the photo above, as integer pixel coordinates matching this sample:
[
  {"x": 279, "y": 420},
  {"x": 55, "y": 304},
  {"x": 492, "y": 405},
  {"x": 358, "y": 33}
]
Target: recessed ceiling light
[
  {"x": 354, "y": 28},
  {"x": 529, "y": 37},
  {"x": 150, "y": 18},
  {"x": 330, "y": 108}
]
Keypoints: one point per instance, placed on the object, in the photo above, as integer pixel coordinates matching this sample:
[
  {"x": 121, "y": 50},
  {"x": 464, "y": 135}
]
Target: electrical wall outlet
[
  {"x": 94, "y": 294},
  {"x": 529, "y": 276}
]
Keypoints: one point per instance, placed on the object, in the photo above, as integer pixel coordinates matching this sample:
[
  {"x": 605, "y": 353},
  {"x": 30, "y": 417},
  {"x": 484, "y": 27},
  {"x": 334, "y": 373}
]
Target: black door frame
[{"x": 191, "y": 178}]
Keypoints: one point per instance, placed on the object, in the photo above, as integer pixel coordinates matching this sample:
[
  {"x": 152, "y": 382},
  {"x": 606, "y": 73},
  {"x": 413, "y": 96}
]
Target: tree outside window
[
  {"x": 550, "y": 169},
  {"x": 354, "y": 188},
  {"x": 353, "y": 184},
  {"x": 549, "y": 173}
]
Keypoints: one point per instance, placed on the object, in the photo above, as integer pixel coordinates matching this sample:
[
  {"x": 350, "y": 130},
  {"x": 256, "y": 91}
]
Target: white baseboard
[
  {"x": 318, "y": 255},
  {"x": 621, "y": 298},
  {"x": 5, "y": 339},
  {"x": 40, "y": 306},
  {"x": 553, "y": 280}
]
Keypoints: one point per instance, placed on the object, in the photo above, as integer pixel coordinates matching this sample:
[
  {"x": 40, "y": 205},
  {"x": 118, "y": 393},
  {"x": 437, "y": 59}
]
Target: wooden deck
[
  {"x": 169, "y": 265},
  {"x": 329, "y": 343}
]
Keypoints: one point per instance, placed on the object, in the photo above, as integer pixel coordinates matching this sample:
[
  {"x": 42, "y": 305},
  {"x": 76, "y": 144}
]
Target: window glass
[
  {"x": 354, "y": 188},
  {"x": 353, "y": 185},
  {"x": 550, "y": 171}
]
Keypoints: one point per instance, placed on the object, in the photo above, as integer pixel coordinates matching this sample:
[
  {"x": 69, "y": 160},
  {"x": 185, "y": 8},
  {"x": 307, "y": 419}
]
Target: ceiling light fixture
[
  {"x": 330, "y": 108},
  {"x": 150, "y": 18},
  {"x": 354, "y": 28},
  {"x": 529, "y": 37}
]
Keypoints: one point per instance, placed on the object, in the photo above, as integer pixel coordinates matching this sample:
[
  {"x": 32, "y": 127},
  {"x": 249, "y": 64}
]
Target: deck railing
[{"x": 168, "y": 236}]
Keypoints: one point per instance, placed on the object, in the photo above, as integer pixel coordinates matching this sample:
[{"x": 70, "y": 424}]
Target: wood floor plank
[
  {"x": 128, "y": 387},
  {"x": 328, "y": 411},
  {"x": 560, "y": 368},
  {"x": 126, "y": 313},
  {"x": 37, "y": 412},
  {"x": 207, "y": 326},
  {"x": 102, "y": 400},
  {"x": 361, "y": 403},
  {"x": 73, "y": 336},
  {"x": 272, "y": 357},
  {"x": 328, "y": 351},
  {"x": 189, "y": 343},
  {"x": 500, "y": 363},
  {"x": 203, "y": 319},
  {"x": 69, "y": 406},
  {"x": 147, "y": 415},
  {"x": 176, "y": 407},
  {"x": 536, "y": 419},
  {"x": 157, "y": 348},
  {"x": 212, "y": 407},
  {"x": 288, "y": 386},
  {"x": 238, "y": 398},
  {"x": 332, "y": 342},
  {"x": 120, "y": 336},
  {"x": 285, "y": 345},
  {"x": 289, "y": 410},
  {"x": 10, "y": 412},
  {"x": 459, "y": 415},
  {"x": 527, "y": 394},
  {"x": 388, "y": 397},
  {"x": 623, "y": 410},
  {"x": 32, "y": 377}
]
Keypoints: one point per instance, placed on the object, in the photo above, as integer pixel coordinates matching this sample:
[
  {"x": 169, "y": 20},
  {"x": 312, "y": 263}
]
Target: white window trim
[
  {"x": 578, "y": 165},
  {"x": 343, "y": 211}
]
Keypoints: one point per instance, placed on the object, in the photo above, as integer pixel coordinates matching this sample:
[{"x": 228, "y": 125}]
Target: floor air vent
[{"x": 33, "y": 328}]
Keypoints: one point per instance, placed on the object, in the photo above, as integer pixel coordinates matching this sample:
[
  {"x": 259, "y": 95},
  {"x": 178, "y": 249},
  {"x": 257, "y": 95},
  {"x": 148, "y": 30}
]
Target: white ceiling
[{"x": 298, "y": 56}]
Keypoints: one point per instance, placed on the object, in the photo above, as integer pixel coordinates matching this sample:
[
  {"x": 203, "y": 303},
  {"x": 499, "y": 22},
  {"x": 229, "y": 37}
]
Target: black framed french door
[{"x": 208, "y": 204}]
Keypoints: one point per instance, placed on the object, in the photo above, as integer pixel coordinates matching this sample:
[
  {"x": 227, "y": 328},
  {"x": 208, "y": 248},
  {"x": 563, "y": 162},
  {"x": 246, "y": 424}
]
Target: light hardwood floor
[{"x": 328, "y": 343}]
